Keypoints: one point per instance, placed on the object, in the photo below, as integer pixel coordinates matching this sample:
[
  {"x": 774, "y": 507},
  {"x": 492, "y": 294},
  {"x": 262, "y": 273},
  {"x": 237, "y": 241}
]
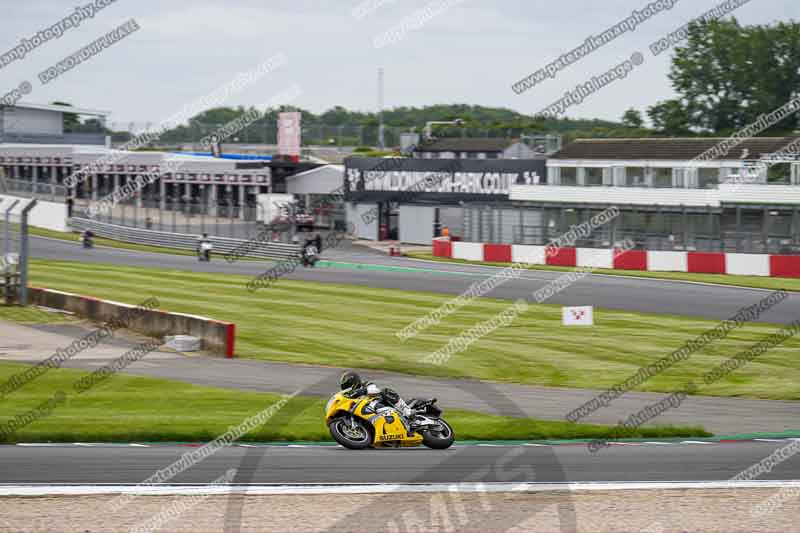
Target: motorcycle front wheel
[
  {"x": 352, "y": 433},
  {"x": 439, "y": 438}
]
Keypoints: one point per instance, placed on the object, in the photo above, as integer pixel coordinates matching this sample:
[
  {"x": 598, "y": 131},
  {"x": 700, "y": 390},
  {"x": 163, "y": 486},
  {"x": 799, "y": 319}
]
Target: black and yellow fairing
[{"x": 388, "y": 429}]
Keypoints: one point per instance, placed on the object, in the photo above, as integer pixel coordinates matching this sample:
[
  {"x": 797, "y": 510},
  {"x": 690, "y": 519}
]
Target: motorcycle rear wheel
[
  {"x": 439, "y": 439},
  {"x": 352, "y": 433}
]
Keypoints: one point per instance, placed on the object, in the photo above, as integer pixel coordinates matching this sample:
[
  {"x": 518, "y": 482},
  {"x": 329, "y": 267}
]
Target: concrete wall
[
  {"x": 355, "y": 221},
  {"x": 48, "y": 215},
  {"x": 416, "y": 224},
  {"x": 218, "y": 337}
]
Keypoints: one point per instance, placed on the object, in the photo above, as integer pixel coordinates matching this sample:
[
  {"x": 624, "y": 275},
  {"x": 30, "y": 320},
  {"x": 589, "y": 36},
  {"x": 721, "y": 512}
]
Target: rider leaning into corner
[{"x": 353, "y": 387}]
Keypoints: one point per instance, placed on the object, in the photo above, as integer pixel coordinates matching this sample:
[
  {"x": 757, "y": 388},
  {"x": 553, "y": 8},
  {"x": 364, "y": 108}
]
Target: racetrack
[
  {"x": 603, "y": 291},
  {"x": 677, "y": 462},
  {"x": 101, "y": 464}
]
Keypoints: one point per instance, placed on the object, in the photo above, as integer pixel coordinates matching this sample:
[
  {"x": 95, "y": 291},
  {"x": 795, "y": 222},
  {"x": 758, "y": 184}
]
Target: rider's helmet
[{"x": 349, "y": 380}]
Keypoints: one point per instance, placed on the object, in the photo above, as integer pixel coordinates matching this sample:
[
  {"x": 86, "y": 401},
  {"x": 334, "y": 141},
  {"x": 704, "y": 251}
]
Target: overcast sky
[{"x": 471, "y": 53}]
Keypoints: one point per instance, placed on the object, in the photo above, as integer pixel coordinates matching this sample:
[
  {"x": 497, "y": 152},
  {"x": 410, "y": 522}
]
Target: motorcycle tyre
[
  {"x": 438, "y": 443},
  {"x": 345, "y": 441}
]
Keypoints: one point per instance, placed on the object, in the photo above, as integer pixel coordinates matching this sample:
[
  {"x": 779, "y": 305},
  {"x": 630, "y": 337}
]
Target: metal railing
[
  {"x": 725, "y": 241},
  {"x": 222, "y": 219},
  {"x": 183, "y": 241},
  {"x": 27, "y": 189}
]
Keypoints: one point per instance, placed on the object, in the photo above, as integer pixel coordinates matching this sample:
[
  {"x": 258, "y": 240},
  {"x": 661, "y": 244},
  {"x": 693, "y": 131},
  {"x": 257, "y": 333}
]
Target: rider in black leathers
[{"x": 354, "y": 387}]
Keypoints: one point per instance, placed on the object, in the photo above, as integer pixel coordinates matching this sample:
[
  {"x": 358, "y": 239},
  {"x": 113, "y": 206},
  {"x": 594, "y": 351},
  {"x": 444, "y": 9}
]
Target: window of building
[
  {"x": 569, "y": 176},
  {"x": 707, "y": 178},
  {"x": 492, "y": 155},
  {"x": 594, "y": 177},
  {"x": 663, "y": 177},
  {"x": 780, "y": 174},
  {"x": 732, "y": 173},
  {"x": 635, "y": 177}
]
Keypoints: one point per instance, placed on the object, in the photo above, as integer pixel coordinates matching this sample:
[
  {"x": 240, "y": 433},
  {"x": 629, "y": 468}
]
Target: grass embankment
[
  {"x": 137, "y": 409},
  {"x": 351, "y": 326},
  {"x": 756, "y": 282}
]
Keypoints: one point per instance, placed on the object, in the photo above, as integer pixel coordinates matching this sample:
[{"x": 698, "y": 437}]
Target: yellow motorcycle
[{"x": 363, "y": 422}]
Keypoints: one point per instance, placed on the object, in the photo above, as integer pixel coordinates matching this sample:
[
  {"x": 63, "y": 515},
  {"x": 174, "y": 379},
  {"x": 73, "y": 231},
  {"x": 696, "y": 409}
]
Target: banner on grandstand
[{"x": 289, "y": 133}]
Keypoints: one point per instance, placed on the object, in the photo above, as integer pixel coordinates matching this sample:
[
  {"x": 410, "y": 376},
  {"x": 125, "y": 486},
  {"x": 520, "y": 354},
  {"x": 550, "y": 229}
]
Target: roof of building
[
  {"x": 676, "y": 149},
  {"x": 321, "y": 168},
  {"x": 465, "y": 144},
  {"x": 61, "y": 109}
]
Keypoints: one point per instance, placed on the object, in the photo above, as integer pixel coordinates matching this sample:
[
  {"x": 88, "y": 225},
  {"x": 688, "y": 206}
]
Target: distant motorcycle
[
  {"x": 204, "y": 251},
  {"x": 87, "y": 241},
  {"x": 310, "y": 255}
]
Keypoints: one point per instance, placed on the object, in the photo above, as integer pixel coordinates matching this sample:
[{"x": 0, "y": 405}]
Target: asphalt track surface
[
  {"x": 316, "y": 464},
  {"x": 603, "y": 291}
]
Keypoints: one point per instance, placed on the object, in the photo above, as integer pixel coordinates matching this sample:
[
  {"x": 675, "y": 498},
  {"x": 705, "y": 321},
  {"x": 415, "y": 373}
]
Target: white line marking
[
  {"x": 769, "y": 440},
  {"x": 534, "y": 444},
  {"x": 186, "y": 490},
  {"x": 134, "y": 445},
  {"x": 654, "y": 443},
  {"x": 696, "y": 442},
  {"x": 83, "y": 444}
]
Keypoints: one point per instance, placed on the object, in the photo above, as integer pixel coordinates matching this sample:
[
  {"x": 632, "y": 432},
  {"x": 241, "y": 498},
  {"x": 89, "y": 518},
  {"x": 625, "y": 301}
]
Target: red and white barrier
[{"x": 786, "y": 266}]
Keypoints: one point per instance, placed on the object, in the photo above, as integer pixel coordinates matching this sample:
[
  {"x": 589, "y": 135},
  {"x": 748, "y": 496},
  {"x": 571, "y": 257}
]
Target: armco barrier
[
  {"x": 183, "y": 241},
  {"x": 705, "y": 263},
  {"x": 218, "y": 337},
  {"x": 497, "y": 253},
  {"x": 442, "y": 248},
  {"x": 564, "y": 257},
  {"x": 630, "y": 260},
  {"x": 784, "y": 266}
]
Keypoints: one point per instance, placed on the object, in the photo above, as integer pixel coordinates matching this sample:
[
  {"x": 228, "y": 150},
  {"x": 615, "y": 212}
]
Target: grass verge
[
  {"x": 100, "y": 241},
  {"x": 756, "y": 282},
  {"x": 131, "y": 409},
  {"x": 354, "y": 326},
  {"x": 33, "y": 315}
]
